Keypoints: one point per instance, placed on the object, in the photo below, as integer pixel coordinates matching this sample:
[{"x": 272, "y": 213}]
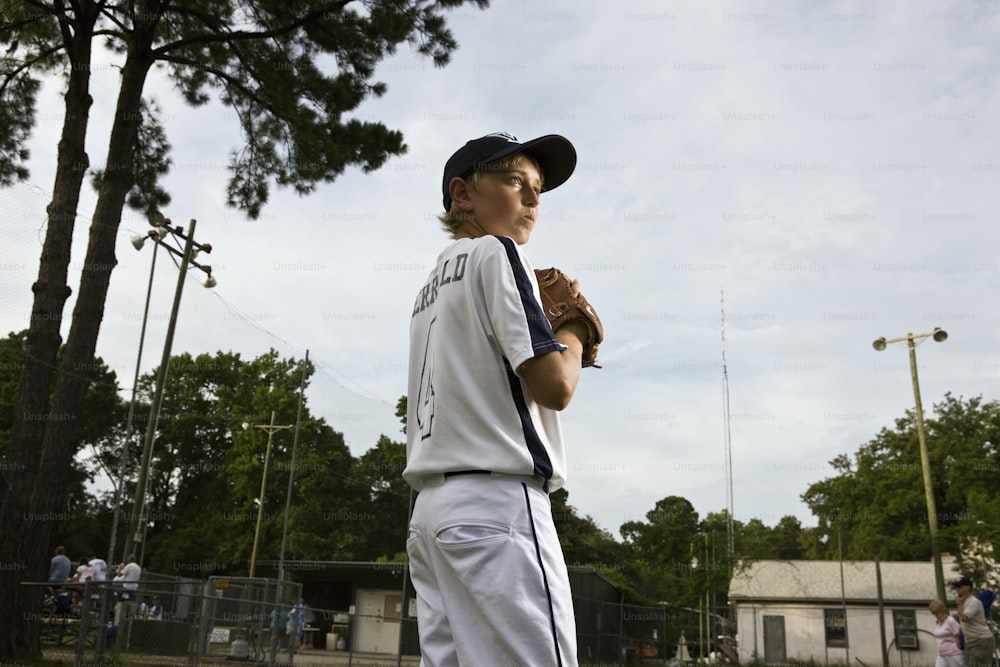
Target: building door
[
  {"x": 774, "y": 640},
  {"x": 377, "y": 621}
]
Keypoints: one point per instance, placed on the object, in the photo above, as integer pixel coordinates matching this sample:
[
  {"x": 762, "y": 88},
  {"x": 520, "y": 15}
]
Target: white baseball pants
[{"x": 489, "y": 574}]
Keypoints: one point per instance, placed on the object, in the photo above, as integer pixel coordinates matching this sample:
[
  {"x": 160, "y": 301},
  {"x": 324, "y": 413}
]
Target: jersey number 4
[{"x": 425, "y": 394}]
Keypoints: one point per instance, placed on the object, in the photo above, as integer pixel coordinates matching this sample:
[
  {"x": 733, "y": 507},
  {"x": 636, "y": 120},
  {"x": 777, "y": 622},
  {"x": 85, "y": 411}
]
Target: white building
[{"x": 830, "y": 613}]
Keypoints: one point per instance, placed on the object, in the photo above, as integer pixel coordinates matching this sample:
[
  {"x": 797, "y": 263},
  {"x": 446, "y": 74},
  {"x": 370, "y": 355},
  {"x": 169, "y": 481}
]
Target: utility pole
[{"x": 270, "y": 428}]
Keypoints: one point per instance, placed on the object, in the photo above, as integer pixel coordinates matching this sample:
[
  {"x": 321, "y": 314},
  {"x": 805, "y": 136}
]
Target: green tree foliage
[
  {"x": 660, "y": 551},
  {"x": 876, "y": 498},
  {"x": 326, "y": 492},
  {"x": 207, "y": 469},
  {"x": 384, "y": 509},
  {"x": 292, "y": 72},
  {"x": 11, "y": 362},
  {"x": 787, "y": 539},
  {"x": 712, "y": 565},
  {"x": 583, "y": 541},
  {"x": 78, "y": 518}
]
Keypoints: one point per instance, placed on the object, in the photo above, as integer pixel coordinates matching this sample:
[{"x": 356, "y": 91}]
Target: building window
[
  {"x": 835, "y": 623},
  {"x": 904, "y": 621}
]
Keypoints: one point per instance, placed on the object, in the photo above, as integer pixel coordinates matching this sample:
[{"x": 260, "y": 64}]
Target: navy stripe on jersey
[
  {"x": 543, "y": 340},
  {"x": 545, "y": 576},
  {"x": 541, "y": 463}
]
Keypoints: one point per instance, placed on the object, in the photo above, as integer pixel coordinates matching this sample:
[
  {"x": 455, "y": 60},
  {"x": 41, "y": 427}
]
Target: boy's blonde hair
[{"x": 453, "y": 220}]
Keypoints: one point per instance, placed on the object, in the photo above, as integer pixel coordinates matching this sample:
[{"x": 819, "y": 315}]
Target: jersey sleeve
[{"x": 516, "y": 319}]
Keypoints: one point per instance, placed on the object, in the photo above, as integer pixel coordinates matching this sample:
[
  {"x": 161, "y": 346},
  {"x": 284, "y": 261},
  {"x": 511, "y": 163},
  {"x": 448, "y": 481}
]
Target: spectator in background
[
  {"x": 300, "y": 625},
  {"x": 279, "y": 624},
  {"x": 987, "y": 597},
  {"x": 99, "y": 567},
  {"x": 84, "y": 573},
  {"x": 155, "y": 612},
  {"x": 293, "y": 628},
  {"x": 979, "y": 645},
  {"x": 59, "y": 567},
  {"x": 946, "y": 634},
  {"x": 129, "y": 574},
  {"x": 127, "y": 578}
]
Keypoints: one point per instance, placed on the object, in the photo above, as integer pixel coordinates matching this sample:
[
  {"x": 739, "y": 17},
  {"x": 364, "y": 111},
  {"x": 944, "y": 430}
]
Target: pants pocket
[{"x": 469, "y": 533}]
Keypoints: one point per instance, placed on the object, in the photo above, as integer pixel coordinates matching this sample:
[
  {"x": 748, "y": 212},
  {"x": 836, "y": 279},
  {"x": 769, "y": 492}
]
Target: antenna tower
[{"x": 728, "y": 442}]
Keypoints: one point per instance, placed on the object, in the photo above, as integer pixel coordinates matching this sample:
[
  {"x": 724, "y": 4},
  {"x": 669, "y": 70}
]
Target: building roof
[{"x": 818, "y": 580}]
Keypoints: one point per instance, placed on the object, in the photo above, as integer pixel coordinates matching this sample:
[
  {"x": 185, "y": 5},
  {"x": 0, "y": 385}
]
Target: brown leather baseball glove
[{"x": 561, "y": 306}]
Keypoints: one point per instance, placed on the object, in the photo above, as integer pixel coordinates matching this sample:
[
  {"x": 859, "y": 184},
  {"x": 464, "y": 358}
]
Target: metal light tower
[
  {"x": 158, "y": 229},
  {"x": 880, "y": 344},
  {"x": 135, "y": 537}
]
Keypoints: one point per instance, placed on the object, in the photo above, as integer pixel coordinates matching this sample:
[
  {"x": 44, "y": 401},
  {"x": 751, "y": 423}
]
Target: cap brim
[{"x": 555, "y": 154}]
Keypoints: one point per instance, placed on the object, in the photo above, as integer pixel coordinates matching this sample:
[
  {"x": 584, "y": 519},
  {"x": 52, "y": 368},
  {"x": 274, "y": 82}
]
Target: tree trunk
[
  {"x": 45, "y": 440},
  {"x": 58, "y": 443},
  {"x": 27, "y": 556}
]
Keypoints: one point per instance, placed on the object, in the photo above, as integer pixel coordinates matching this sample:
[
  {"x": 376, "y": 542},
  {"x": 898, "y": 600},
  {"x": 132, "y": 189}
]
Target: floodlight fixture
[{"x": 880, "y": 344}]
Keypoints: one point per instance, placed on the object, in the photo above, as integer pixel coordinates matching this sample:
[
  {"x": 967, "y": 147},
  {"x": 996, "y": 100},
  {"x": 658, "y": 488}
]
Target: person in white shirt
[
  {"x": 99, "y": 567},
  {"x": 979, "y": 643},
  {"x": 127, "y": 578},
  {"x": 130, "y": 573},
  {"x": 84, "y": 573}
]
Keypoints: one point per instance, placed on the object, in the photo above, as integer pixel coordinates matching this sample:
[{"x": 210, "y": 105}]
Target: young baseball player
[{"x": 487, "y": 377}]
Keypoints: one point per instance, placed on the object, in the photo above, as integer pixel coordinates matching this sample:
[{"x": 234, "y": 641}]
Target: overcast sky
[{"x": 830, "y": 168}]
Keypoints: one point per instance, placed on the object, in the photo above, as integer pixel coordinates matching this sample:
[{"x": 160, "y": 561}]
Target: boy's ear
[{"x": 459, "y": 191}]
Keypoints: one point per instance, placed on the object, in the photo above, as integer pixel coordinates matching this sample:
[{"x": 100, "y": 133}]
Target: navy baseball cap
[
  {"x": 961, "y": 581},
  {"x": 555, "y": 155}
]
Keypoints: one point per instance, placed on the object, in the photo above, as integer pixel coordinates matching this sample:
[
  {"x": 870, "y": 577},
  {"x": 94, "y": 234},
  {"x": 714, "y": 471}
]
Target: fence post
[
  {"x": 197, "y": 630},
  {"x": 100, "y": 641},
  {"x": 81, "y": 639}
]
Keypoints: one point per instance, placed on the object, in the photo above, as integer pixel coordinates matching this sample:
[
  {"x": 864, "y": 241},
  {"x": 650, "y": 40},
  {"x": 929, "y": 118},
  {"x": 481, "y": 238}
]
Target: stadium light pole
[
  {"x": 136, "y": 535},
  {"x": 939, "y": 335},
  {"x": 158, "y": 229},
  {"x": 270, "y": 428}
]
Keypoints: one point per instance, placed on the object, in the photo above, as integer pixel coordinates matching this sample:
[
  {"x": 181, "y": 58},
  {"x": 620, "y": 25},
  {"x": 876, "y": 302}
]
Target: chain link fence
[
  {"x": 171, "y": 620},
  {"x": 620, "y": 634}
]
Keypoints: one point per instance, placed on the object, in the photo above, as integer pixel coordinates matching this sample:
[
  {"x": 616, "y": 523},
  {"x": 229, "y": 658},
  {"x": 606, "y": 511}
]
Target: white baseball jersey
[{"x": 476, "y": 320}]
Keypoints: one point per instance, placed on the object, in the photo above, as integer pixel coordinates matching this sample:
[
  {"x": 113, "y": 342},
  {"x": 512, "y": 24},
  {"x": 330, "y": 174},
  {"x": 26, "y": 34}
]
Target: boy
[{"x": 487, "y": 377}]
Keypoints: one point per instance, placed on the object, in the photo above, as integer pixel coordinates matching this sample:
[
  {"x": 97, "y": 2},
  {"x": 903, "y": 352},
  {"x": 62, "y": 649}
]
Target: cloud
[{"x": 831, "y": 169}]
